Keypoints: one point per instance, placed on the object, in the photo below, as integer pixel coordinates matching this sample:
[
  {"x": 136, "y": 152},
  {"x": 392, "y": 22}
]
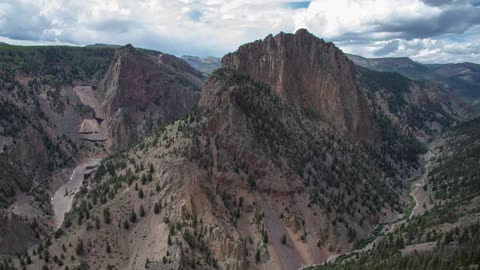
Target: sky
[{"x": 429, "y": 31}]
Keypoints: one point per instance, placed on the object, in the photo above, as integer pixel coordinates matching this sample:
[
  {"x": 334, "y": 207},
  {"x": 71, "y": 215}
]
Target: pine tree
[
  {"x": 133, "y": 216},
  {"x": 46, "y": 255},
  {"x": 106, "y": 215},
  {"x": 79, "y": 247},
  {"x": 150, "y": 169},
  {"x": 97, "y": 223},
  {"x": 265, "y": 236},
  {"x": 283, "y": 239}
]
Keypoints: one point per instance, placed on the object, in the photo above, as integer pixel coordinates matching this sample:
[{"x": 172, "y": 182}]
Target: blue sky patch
[{"x": 298, "y": 5}]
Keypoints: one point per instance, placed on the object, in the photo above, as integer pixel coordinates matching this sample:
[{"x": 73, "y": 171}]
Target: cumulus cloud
[
  {"x": 384, "y": 19},
  {"x": 424, "y": 29},
  {"x": 19, "y": 20}
]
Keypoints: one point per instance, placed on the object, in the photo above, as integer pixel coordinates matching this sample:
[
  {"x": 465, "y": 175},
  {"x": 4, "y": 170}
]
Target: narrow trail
[
  {"x": 389, "y": 227},
  {"x": 62, "y": 200}
]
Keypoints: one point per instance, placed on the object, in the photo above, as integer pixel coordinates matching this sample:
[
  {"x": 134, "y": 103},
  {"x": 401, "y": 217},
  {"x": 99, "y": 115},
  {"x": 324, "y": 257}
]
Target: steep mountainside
[
  {"x": 462, "y": 78},
  {"x": 407, "y": 112},
  {"x": 60, "y": 105},
  {"x": 142, "y": 90},
  {"x": 263, "y": 174}
]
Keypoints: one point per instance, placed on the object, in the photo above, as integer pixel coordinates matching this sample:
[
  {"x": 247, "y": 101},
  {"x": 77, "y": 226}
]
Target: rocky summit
[
  {"x": 309, "y": 73},
  {"x": 287, "y": 156}
]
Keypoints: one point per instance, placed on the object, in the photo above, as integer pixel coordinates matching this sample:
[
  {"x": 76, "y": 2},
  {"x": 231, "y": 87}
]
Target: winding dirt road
[{"x": 62, "y": 200}]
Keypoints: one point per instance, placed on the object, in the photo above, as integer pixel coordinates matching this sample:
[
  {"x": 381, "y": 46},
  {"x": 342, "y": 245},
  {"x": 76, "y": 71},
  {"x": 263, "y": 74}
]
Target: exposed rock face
[
  {"x": 141, "y": 88},
  {"x": 310, "y": 73},
  {"x": 89, "y": 126}
]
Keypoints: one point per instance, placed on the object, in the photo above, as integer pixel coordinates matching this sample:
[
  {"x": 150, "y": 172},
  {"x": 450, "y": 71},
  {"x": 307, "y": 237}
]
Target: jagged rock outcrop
[
  {"x": 142, "y": 88},
  {"x": 310, "y": 73}
]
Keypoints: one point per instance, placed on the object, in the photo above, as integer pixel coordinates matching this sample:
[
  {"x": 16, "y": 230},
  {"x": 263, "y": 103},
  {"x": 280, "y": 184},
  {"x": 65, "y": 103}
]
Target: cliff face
[
  {"x": 140, "y": 89},
  {"x": 312, "y": 74}
]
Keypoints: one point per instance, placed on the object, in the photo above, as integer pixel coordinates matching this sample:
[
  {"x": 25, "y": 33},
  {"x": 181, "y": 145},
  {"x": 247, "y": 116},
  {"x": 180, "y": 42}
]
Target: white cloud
[
  {"x": 337, "y": 18},
  {"x": 427, "y": 50},
  {"x": 214, "y": 27}
]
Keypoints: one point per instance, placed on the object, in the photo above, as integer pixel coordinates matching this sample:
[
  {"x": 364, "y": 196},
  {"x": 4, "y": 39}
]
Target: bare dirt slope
[{"x": 62, "y": 200}]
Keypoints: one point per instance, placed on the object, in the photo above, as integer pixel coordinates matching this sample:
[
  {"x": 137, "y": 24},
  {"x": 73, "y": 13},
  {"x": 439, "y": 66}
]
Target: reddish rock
[
  {"x": 310, "y": 73},
  {"x": 141, "y": 85}
]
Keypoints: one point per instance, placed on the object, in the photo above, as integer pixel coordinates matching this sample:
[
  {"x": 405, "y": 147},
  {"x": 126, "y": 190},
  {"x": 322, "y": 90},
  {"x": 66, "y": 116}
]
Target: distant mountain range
[
  {"x": 462, "y": 78},
  {"x": 103, "y": 45},
  {"x": 205, "y": 65}
]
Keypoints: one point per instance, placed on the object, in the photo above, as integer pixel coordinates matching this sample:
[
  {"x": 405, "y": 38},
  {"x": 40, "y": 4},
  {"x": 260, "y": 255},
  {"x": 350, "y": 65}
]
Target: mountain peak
[
  {"x": 302, "y": 31},
  {"x": 309, "y": 73},
  {"x": 127, "y": 49}
]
